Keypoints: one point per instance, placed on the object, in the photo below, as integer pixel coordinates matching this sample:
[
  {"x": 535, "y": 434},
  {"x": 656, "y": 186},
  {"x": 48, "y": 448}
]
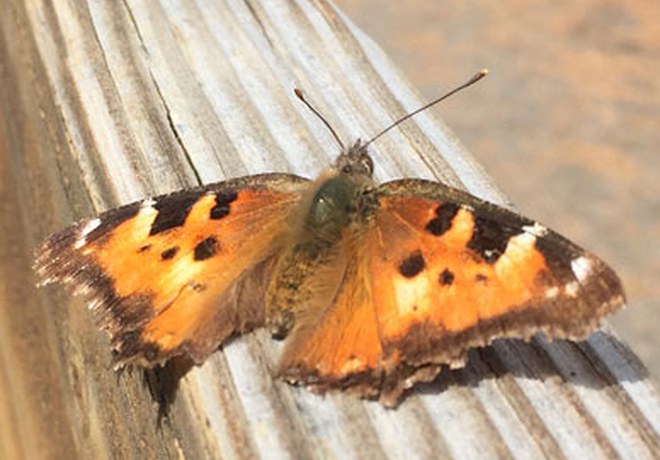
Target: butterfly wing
[
  {"x": 439, "y": 271},
  {"x": 336, "y": 344},
  {"x": 177, "y": 273}
]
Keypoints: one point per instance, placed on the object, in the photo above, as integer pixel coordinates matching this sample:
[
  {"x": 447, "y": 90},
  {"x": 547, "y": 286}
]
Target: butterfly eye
[{"x": 347, "y": 169}]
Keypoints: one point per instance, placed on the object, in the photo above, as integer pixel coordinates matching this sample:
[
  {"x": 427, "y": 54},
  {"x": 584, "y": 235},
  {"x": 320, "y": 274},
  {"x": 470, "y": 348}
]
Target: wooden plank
[{"x": 104, "y": 103}]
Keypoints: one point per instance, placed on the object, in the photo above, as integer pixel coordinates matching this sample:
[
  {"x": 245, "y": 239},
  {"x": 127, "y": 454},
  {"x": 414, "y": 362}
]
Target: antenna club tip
[
  {"x": 298, "y": 92},
  {"x": 484, "y": 72}
]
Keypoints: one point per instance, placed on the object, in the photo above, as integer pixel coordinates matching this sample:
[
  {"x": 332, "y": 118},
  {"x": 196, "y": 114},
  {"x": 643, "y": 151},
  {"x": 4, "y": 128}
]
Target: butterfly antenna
[
  {"x": 475, "y": 78},
  {"x": 298, "y": 92}
]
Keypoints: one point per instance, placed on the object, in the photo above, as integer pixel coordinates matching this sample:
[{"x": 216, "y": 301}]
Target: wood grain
[{"x": 103, "y": 103}]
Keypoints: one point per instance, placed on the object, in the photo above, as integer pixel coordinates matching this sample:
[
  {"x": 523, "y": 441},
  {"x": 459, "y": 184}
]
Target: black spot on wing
[
  {"x": 444, "y": 215},
  {"x": 446, "y": 277},
  {"x": 490, "y": 236},
  {"x": 206, "y": 248},
  {"x": 169, "y": 253},
  {"x": 172, "y": 211},
  {"x": 223, "y": 201},
  {"x": 412, "y": 265},
  {"x": 480, "y": 278}
]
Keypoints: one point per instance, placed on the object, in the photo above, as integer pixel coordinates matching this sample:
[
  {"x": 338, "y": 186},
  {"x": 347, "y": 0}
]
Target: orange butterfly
[{"x": 375, "y": 287}]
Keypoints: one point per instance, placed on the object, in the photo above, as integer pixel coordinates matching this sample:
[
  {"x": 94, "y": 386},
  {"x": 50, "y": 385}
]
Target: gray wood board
[{"x": 104, "y": 103}]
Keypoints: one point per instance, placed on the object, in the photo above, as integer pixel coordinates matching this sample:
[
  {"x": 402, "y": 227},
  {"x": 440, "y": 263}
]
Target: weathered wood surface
[{"x": 106, "y": 102}]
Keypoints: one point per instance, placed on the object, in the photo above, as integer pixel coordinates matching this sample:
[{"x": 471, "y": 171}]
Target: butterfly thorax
[{"x": 339, "y": 200}]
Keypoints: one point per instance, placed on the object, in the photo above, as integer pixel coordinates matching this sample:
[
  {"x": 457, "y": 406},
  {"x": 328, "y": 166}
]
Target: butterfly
[{"x": 372, "y": 287}]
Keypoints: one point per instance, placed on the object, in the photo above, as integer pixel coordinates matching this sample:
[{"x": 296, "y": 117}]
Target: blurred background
[{"x": 568, "y": 121}]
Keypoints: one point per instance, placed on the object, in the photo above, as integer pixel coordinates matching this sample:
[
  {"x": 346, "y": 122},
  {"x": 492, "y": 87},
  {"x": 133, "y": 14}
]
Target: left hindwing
[{"x": 166, "y": 276}]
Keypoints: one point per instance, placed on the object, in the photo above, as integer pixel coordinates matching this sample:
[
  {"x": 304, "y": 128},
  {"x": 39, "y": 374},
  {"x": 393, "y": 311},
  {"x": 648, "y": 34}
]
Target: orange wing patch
[
  {"x": 164, "y": 276},
  {"x": 437, "y": 280}
]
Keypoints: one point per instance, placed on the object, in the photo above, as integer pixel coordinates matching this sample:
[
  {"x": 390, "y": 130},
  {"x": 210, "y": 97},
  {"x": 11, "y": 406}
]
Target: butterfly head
[{"x": 355, "y": 161}]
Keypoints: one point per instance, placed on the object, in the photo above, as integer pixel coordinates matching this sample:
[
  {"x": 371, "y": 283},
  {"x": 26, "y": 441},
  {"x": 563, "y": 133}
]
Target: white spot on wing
[
  {"x": 86, "y": 230},
  {"x": 148, "y": 203},
  {"x": 581, "y": 268},
  {"x": 537, "y": 229},
  {"x": 90, "y": 227}
]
